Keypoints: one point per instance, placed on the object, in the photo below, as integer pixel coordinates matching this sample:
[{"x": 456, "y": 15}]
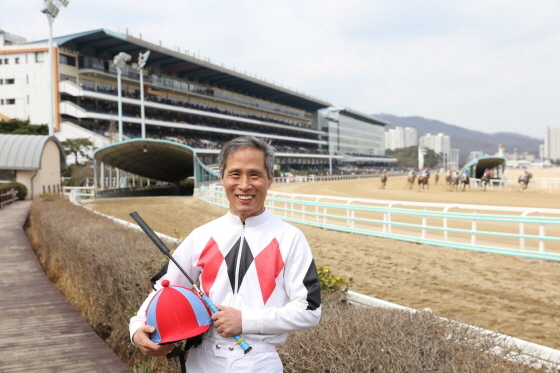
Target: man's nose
[{"x": 244, "y": 182}]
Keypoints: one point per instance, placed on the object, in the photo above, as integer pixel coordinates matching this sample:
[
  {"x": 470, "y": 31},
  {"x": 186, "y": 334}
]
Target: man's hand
[
  {"x": 142, "y": 339},
  {"x": 228, "y": 321}
]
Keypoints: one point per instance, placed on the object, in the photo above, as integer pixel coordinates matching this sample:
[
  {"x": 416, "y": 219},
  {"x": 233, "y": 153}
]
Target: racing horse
[
  {"x": 466, "y": 182},
  {"x": 436, "y": 178},
  {"x": 484, "y": 181},
  {"x": 383, "y": 181},
  {"x": 410, "y": 181},
  {"x": 524, "y": 182},
  {"x": 423, "y": 182}
]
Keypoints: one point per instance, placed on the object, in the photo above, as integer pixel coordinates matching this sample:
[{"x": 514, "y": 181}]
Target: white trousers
[{"x": 228, "y": 357}]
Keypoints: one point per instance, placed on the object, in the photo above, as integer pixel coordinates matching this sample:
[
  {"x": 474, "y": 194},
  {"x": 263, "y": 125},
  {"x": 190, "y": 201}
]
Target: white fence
[
  {"x": 516, "y": 231},
  {"x": 546, "y": 183},
  {"x": 75, "y": 194}
]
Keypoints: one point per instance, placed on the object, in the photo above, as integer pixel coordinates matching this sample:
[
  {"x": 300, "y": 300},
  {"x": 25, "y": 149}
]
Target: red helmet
[{"x": 177, "y": 313}]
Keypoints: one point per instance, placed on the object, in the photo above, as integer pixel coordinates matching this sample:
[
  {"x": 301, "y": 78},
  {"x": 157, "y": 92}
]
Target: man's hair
[{"x": 247, "y": 142}]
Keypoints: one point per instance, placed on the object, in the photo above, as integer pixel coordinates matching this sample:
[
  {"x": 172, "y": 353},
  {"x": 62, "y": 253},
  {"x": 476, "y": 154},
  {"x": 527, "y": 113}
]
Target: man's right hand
[{"x": 142, "y": 339}]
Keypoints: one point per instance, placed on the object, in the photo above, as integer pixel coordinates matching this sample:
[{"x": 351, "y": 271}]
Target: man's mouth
[{"x": 245, "y": 198}]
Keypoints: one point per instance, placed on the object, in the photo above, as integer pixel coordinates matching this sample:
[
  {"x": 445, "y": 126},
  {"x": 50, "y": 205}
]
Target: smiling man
[{"x": 258, "y": 269}]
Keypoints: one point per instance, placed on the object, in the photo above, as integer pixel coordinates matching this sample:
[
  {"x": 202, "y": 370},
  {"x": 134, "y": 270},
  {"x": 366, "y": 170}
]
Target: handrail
[{"x": 491, "y": 229}]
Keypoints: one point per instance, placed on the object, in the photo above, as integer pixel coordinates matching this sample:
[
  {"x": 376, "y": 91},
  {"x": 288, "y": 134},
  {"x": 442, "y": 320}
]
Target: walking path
[{"x": 40, "y": 331}]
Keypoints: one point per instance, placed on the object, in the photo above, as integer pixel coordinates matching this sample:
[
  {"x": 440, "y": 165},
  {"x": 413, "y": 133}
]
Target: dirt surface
[{"x": 514, "y": 296}]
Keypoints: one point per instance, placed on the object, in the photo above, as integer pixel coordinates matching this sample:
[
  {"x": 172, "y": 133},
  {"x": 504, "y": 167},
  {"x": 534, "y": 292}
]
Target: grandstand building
[{"x": 186, "y": 99}]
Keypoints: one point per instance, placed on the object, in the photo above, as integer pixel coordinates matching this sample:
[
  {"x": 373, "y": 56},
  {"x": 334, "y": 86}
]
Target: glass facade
[{"x": 348, "y": 134}]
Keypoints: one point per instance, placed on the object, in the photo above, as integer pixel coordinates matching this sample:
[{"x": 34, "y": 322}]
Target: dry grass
[{"x": 96, "y": 263}]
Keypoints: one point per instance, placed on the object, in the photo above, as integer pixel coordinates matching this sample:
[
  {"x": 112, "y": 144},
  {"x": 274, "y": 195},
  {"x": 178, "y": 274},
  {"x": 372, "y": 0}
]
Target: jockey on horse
[
  {"x": 384, "y": 178},
  {"x": 524, "y": 179},
  {"x": 423, "y": 179},
  {"x": 465, "y": 178},
  {"x": 411, "y": 178},
  {"x": 485, "y": 179}
]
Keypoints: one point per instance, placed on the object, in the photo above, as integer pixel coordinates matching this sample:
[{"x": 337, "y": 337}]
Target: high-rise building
[
  {"x": 439, "y": 144},
  {"x": 552, "y": 143},
  {"x": 399, "y": 137}
]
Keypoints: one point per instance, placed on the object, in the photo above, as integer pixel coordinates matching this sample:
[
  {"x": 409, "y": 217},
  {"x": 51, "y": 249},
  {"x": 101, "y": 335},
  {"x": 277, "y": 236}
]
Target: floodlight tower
[
  {"x": 120, "y": 62},
  {"x": 142, "y": 58},
  {"x": 52, "y": 7}
]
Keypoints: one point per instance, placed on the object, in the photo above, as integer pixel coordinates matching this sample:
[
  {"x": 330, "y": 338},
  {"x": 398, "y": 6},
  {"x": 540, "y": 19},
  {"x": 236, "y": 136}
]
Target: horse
[
  {"x": 383, "y": 181},
  {"x": 436, "y": 178},
  {"x": 524, "y": 182},
  {"x": 466, "y": 181},
  {"x": 410, "y": 181},
  {"x": 484, "y": 181},
  {"x": 423, "y": 182}
]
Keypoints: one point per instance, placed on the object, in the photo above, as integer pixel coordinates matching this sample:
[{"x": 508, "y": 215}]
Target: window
[
  {"x": 10, "y": 101},
  {"x": 16, "y": 60},
  {"x": 10, "y": 81},
  {"x": 5, "y": 61},
  {"x": 1, "y": 101},
  {"x": 1, "y": 81},
  {"x": 39, "y": 57},
  {"x": 68, "y": 77},
  {"x": 67, "y": 60},
  {"x": 1, "y": 61}
]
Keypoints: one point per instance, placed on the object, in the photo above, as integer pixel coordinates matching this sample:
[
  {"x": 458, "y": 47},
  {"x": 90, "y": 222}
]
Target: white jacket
[{"x": 263, "y": 268}]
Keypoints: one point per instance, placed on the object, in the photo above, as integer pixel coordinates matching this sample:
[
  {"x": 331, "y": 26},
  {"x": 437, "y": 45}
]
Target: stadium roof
[
  {"x": 24, "y": 152},
  {"x": 358, "y": 115},
  {"x": 478, "y": 165},
  {"x": 106, "y": 44},
  {"x": 155, "y": 159}
]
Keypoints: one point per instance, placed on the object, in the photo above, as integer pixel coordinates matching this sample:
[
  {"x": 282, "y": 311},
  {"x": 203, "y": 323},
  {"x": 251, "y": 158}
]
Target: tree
[
  {"x": 408, "y": 157},
  {"x": 22, "y": 127},
  {"x": 77, "y": 147}
]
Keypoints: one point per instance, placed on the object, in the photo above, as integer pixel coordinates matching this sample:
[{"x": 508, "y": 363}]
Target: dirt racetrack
[{"x": 514, "y": 296}]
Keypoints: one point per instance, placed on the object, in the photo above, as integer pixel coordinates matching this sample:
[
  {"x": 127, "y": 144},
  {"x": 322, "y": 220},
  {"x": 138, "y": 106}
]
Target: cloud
[{"x": 489, "y": 66}]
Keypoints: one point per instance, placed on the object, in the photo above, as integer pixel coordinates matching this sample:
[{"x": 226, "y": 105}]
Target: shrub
[
  {"x": 331, "y": 283},
  {"x": 97, "y": 265},
  {"x": 22, "y": 188}
]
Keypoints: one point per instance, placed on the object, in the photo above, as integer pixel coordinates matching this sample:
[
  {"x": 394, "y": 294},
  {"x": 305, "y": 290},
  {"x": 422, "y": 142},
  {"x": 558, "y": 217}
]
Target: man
[
  {"x": 425, "y": 172},
  {"x": 525, "y": 175},
  {"x": 257, "y": 269}
]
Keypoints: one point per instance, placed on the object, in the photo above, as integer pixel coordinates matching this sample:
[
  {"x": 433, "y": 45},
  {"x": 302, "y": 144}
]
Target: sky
[{"x": 487, "y": 65}]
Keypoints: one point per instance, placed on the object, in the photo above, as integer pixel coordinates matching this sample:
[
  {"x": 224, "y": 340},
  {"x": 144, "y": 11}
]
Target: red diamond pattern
[
  {"x": 210, "y": 260},
  {"x": 269, "y": 264}
]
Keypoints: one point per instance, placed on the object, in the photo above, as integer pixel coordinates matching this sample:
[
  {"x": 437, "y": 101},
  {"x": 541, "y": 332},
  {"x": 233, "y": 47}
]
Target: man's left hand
[{"x": 227, "y": 321}]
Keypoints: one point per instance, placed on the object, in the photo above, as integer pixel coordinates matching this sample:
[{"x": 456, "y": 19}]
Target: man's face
[{"x": 246, "y": 182}]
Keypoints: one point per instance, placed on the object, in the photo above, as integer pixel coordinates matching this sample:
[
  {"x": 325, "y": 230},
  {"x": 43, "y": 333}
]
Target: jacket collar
[{"x": 250, "y": 221}]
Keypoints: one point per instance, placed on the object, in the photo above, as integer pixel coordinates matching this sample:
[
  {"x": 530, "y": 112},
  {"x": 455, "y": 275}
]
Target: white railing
[
  {"x": 547, "y": 183},
  {"x": 516, "y": 231},
  {"x": 75, "y": 194}
]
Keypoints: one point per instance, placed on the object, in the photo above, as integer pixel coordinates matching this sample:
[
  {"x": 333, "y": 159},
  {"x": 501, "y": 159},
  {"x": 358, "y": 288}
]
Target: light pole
[
  {"x": 142, "y": 58},
  {"x": 51, "y": 10},
  {"x": 120, "y": 61}
]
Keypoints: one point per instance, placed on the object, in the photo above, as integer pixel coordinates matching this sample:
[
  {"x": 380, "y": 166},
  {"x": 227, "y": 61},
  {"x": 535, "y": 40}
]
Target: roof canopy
[
  {"x": 24, "y": 152},
  {"x": 478, "y": 165},
  {"x": 155, "y": 159},
  {"x": 107, "y": 44}
]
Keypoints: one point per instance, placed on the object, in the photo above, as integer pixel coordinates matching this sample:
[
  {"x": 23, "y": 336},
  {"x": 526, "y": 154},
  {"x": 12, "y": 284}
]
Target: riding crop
[{"x": 165, "y": 251}]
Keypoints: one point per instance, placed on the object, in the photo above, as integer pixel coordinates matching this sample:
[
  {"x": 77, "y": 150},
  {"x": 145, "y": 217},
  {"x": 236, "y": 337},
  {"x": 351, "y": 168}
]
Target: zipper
[{"x": 238, "y": 260}]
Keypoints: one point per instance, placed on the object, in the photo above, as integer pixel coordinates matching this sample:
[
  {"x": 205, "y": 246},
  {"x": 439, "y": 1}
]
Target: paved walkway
[{"x": 40, "y": 331}]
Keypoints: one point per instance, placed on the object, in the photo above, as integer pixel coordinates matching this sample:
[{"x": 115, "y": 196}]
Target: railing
[
  {"x": 547, "y": 183},
  {"x": 8, "y": 196},
  {"x": 75, "y": 194},
  {"x": 516, "y": 231}
]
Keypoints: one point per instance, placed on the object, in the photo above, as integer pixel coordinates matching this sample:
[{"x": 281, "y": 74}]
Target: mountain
[{"x": 464, "y": 139}]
